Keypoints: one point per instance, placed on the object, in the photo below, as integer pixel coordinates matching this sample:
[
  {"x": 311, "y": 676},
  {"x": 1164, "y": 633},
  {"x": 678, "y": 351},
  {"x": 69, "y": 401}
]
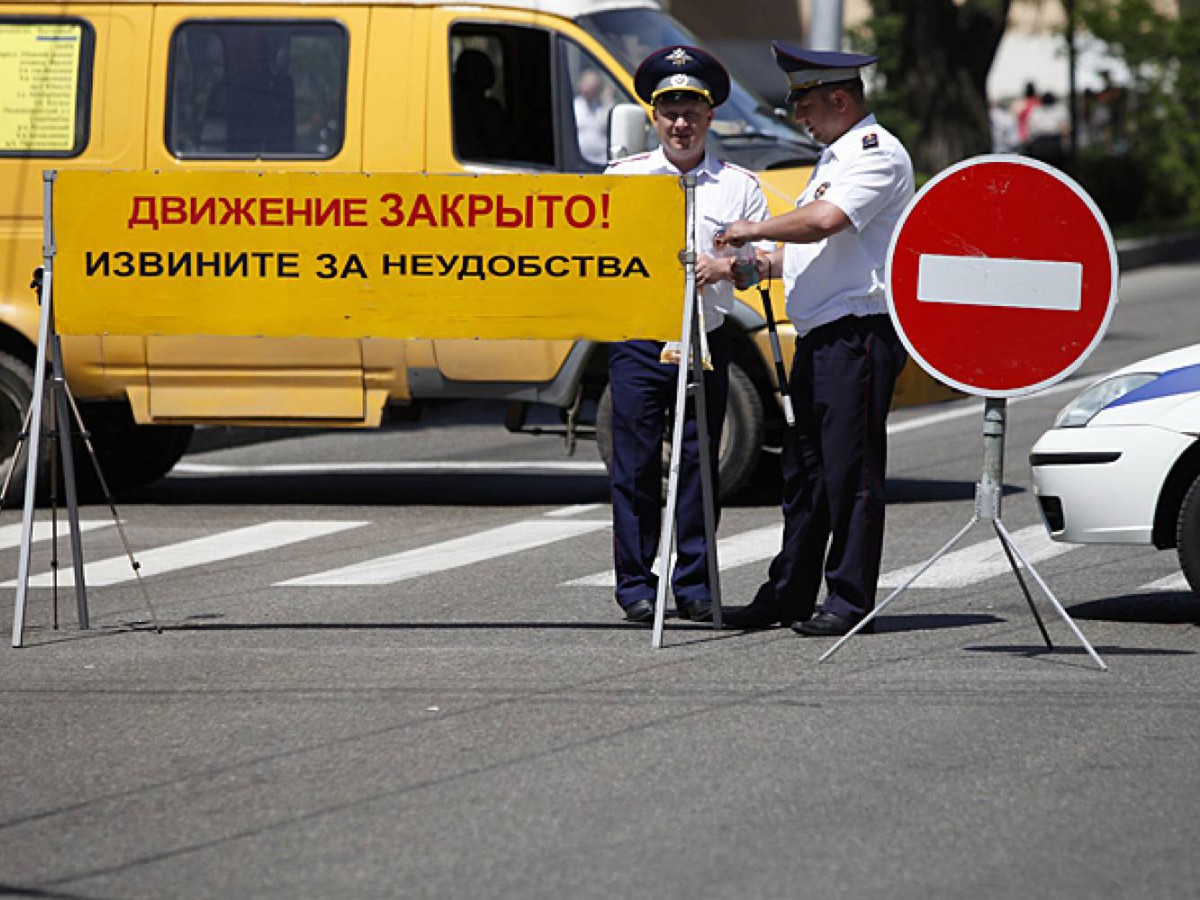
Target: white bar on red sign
[{"x": 1012, "y": 283}]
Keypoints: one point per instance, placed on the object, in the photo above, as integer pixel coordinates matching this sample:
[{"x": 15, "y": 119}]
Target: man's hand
[
  {"x": 710, "y": 270},
  {"x": 735, "y": 234}
]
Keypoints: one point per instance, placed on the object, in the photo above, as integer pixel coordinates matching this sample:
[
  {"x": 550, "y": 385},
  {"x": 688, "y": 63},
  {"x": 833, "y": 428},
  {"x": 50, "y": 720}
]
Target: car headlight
[{"x": 1084, "y": 408}]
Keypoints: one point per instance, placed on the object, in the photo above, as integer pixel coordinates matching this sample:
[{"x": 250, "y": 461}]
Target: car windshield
[{"x": 747, "y": 130}]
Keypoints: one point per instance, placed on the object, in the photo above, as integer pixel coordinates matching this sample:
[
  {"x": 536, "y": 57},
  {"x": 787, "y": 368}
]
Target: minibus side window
[
  {"x": 250, "y": 89},
  {"x": 590, "y": 93},
  {"x": 502, "y": 95},
  {"x": 45, "y": 86}
]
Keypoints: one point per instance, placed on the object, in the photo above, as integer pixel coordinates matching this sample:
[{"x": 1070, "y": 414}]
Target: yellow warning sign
[{"x": 356, "y": 256}]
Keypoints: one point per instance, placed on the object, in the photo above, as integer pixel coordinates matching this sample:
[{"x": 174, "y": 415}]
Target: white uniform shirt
[
  {"x": 724, "y": 194},
  {"x": 867, "y": 174}
]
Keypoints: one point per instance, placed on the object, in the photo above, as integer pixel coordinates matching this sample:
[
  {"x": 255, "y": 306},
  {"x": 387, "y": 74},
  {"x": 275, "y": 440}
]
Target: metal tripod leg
[
  {"x": 708, "y": 501},
  {"x": 67, "y": 399},
  {"x": 60, "y": 394},
  {"x": 900, "y": 590},
  {"x": 689, "y": 330},
  {"x": 1012, "y": 561},
  {"x": 1007, "y": 540},
  {"x": 15, "y": 459}
]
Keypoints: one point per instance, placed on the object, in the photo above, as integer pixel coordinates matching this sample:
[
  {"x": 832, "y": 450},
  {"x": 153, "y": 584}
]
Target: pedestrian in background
[
  {"x": 848, "y": 355},
  {"x": 1022, "y": 108},
  {"x": 682, "y": 85}
]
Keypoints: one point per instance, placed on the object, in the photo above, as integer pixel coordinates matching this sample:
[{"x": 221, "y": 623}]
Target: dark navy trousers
[
  {"x": 643, "y": 394},
  {"x": 833, "y": 466}
]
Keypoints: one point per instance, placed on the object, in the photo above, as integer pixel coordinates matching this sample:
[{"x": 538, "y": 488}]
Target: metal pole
[
  {"x": 667, "y": 534},
  {"x": 992, "y": 482},
  {"x": 706, "y": 464},
  {"x": 825, "y": 25},
  {"x": 36, "y": 404}
]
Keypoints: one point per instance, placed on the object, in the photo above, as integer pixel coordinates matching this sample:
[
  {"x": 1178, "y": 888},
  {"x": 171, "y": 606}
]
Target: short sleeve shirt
[
  {"x": 868, "y": 175},
  {"x": 724, "y": 194}
]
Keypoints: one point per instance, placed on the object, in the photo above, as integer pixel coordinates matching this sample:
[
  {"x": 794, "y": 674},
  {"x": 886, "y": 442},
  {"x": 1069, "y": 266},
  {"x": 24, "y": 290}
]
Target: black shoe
[
  {"x": 758, "y": 614},
  {"x": 826, "y": 624},
  {"x": 695, "y": 610},
  {"x": 639, "y": 611}
]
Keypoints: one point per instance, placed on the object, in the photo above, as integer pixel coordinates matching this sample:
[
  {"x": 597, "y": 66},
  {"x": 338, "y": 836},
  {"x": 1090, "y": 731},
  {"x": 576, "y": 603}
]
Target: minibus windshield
[{"x": 748, "y": 131}]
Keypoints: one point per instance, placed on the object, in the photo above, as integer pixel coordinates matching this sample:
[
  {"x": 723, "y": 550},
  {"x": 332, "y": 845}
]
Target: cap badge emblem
[{"x": 678, "y": 57}]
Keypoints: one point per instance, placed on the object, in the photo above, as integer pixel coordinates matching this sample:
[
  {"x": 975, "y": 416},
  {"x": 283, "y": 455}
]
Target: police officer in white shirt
[
  {"x": 847, "y": 356},
  {"x": 683, "y": 85}
]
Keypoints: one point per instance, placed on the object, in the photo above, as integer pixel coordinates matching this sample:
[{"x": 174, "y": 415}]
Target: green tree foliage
[
  {"x": 1162, "y": 51},
  {"x": 934, "y": 58}
]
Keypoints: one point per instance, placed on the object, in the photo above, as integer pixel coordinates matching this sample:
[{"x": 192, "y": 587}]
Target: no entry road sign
[{"x": 1001, "y": 276}]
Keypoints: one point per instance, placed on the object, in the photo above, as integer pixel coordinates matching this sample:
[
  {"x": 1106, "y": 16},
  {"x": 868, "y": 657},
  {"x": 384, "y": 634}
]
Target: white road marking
[
  {"x": 978, "y": 562},
  {"x": 385, "y": 468},
  {"x": 577, "y": 510},
  {"x": 1001, "y": 283},
  {"x": 738, "y": 550},
  {"x": 10, "y": 535},
  {"x": 451, "y": 554},
  {"x": 186, "y": 554},
  {"x": 1175, "y": 582},
  {"x": 963, "y": 409}
]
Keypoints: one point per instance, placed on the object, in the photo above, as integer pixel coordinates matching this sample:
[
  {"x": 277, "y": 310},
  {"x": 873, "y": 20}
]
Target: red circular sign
[{"x": 1001, "y": 276}]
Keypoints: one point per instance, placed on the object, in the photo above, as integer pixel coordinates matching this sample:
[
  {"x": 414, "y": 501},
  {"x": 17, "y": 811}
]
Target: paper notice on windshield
[{"x": 39, "y": 80}]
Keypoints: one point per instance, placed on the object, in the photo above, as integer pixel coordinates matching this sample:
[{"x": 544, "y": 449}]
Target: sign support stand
[
  {"x": 690, "y": 358},
  {"x": 59, "y": 415},
  {"x": 48, "y": 352},
  {"x": 987, "y": 509}
]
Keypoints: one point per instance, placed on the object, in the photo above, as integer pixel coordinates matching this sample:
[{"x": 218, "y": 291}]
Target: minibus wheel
[
  {"x": 741, "y": 438},
  {"x": 130, "y": 455},
  {"x": 16, "y": 393}
]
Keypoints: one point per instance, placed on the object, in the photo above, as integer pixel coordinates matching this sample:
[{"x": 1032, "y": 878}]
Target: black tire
[
  {"x": 16, "y": 393},
  {"x": 1187, "y": 536},
  {"x": 130, "y": 455},
  {"x": 741, "y": 438}
]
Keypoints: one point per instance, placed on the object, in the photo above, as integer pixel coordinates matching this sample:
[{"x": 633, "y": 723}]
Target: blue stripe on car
[{"x": 1168, "y": 384}]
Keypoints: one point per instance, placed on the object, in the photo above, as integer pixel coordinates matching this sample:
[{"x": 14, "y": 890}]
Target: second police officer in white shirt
[{"x": 848, "y": 355}]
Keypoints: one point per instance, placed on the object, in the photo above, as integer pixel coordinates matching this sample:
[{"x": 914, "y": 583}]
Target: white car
[{"x": 1122, "y": 463}]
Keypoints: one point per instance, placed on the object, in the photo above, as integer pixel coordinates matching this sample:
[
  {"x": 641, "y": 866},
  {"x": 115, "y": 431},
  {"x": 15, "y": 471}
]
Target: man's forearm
[{"x": 806, "y": 225}]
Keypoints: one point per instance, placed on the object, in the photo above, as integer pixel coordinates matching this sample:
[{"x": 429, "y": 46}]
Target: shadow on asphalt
[
  {"x": 1166, "y": 608},
  {"x": 931, "y": 622},
  {"x": 1075, "y": 650}
]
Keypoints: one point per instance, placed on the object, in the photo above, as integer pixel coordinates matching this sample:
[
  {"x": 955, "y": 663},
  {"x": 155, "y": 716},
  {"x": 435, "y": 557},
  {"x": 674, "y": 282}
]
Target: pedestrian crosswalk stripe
[
  {"x": 978, "y": 562},
  {"x": 451, "y": 554},
  {"x": 10, "y": 535},
  {"x": 1176, "y": 582},
  {"x": 738, "y": 550},
  {"x": 961, "y": 567},
  {"x": 217, "y": 547}
]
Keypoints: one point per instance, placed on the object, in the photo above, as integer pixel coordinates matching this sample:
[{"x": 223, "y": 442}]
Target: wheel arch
[
  {"x": 1170, "y": 498},
  {"x": 16, "y": 344}
]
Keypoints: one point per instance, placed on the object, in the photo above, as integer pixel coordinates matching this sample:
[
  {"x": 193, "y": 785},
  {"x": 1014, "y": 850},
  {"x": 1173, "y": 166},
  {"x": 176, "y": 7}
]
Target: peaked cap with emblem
[
  {"x": 807, "y": 69},
  {"x": 681, "y": 70}
]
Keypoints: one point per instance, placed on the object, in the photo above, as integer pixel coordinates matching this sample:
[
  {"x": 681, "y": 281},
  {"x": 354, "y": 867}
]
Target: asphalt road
[{"x": 389, "y": 667}]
